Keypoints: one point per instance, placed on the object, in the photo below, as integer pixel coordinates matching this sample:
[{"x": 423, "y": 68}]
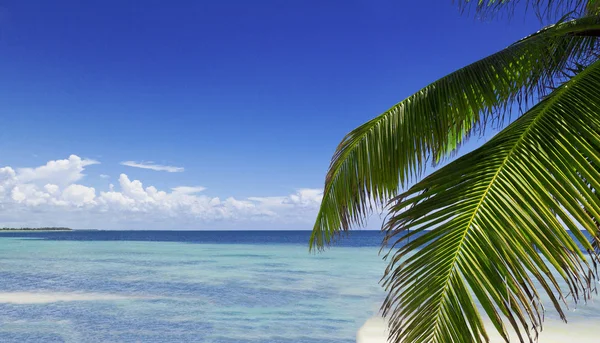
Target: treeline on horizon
[{"x": 35, "y": 229}]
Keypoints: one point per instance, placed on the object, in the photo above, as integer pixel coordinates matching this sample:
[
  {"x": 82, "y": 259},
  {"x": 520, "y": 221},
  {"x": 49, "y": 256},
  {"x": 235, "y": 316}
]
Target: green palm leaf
[
  {"x": 374, "y": 160},
  {"x": 543, "y": 8},
  {"x": 491, "y": 224}
]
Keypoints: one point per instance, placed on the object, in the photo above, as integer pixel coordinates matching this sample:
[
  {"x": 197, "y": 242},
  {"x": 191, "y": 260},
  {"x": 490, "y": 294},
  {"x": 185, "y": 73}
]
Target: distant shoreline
[{"x": 36, "y": 229}]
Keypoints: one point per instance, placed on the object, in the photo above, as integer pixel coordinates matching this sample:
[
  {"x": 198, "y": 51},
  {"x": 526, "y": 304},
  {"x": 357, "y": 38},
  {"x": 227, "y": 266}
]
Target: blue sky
[{"x": 250, "y": 98}]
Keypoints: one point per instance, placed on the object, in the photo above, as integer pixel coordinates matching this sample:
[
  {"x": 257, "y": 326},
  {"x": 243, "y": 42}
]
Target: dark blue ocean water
[{"x": 356, "y": 238}]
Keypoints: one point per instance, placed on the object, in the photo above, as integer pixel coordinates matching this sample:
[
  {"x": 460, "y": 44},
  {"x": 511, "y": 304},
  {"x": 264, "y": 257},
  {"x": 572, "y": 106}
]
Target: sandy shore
[{"x": 374, "y": 331}]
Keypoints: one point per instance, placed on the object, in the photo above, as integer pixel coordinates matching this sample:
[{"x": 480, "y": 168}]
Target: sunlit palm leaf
[
  {"x": 374, "y": 160},
  {"x": 491, "y": 216}
]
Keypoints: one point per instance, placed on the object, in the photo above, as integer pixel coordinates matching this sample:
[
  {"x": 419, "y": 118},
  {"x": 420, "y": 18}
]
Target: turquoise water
[{"x": 60, "y": 288}]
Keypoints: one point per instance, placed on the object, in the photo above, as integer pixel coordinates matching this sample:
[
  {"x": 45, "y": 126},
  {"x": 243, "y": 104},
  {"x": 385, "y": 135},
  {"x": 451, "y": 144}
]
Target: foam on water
[{"x": 46, "y": 298}]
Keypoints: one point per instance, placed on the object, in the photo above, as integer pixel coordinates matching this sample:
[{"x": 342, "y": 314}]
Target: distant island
[{"x": 36, "y": 229}]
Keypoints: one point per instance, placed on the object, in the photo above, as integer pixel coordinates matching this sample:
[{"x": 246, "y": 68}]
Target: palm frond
[
  {"x": 375, "y": 159},
  {"x": 592, "y": 7},
  {"x": 495, "y": 222},
  {"x": 551, "y": 9}
]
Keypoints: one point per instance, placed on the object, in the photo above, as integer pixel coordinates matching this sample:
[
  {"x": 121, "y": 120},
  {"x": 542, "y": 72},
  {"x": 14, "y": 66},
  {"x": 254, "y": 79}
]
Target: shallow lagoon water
[{"x": 57, "y": 288}]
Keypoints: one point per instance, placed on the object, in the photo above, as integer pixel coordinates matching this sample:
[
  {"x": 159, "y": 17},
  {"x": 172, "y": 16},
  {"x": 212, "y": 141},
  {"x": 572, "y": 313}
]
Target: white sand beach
[{"x": 374, "y": 331}]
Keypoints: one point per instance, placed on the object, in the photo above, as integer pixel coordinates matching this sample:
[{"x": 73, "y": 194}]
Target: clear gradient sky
[{"x": 235, "y": 105}]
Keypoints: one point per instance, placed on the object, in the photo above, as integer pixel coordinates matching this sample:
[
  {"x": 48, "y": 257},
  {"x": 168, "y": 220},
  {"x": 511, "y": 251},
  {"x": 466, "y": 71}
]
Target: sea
[
  {"x": 186, "y": 286},
  {"x": 200, "y": 286}
]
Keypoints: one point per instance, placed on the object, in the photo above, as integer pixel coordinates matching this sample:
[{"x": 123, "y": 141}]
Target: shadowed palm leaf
[
  {"x": 543, "y": 8},
  {"x": 373, "y": 161},
  {"x": 491, "y": 216}
]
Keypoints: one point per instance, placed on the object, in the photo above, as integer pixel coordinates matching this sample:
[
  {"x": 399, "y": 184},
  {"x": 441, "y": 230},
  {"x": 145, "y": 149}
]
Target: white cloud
[
  {"x": 7, "y": 179},
  {"x": 51, "y": 189},
  {"x": 104, "y": 176},
  {"x": 133, "y": 189},
  {"x": 7, "y": 173},
  {"x": 188, "y": 189},
  {"x": 51, "y": 195},
  {"x": 152, "y": 166},
  {"x": 28, "y": 194},
  {"x": 60, "y": 172},
  {"x": 306, "y": 197},
  {"x": 79, "y": 195},
  {"x": 115, "y": 198}
]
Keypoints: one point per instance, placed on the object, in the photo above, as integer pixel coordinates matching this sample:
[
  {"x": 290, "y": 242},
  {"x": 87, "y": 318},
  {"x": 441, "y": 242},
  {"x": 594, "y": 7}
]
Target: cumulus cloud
[
  {"x": 52, "y": 195},
  {"x": 79, "y": 195},
  {"x": 153, "y": 166},
  {"x": 7, "y": 179},
  {"x": 188, "y": 189},
  {"x": 51, "y": 189},
  {"x": 62, "y": 172}
]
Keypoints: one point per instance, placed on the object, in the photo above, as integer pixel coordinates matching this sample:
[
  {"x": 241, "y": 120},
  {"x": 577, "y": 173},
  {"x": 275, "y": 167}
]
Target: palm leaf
[
  {"x": 491, "y": 224},
  {"x": 593, "y": 7},
  {"x": 543, "y": 8},
  {"x": 375, "y": 159}
]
